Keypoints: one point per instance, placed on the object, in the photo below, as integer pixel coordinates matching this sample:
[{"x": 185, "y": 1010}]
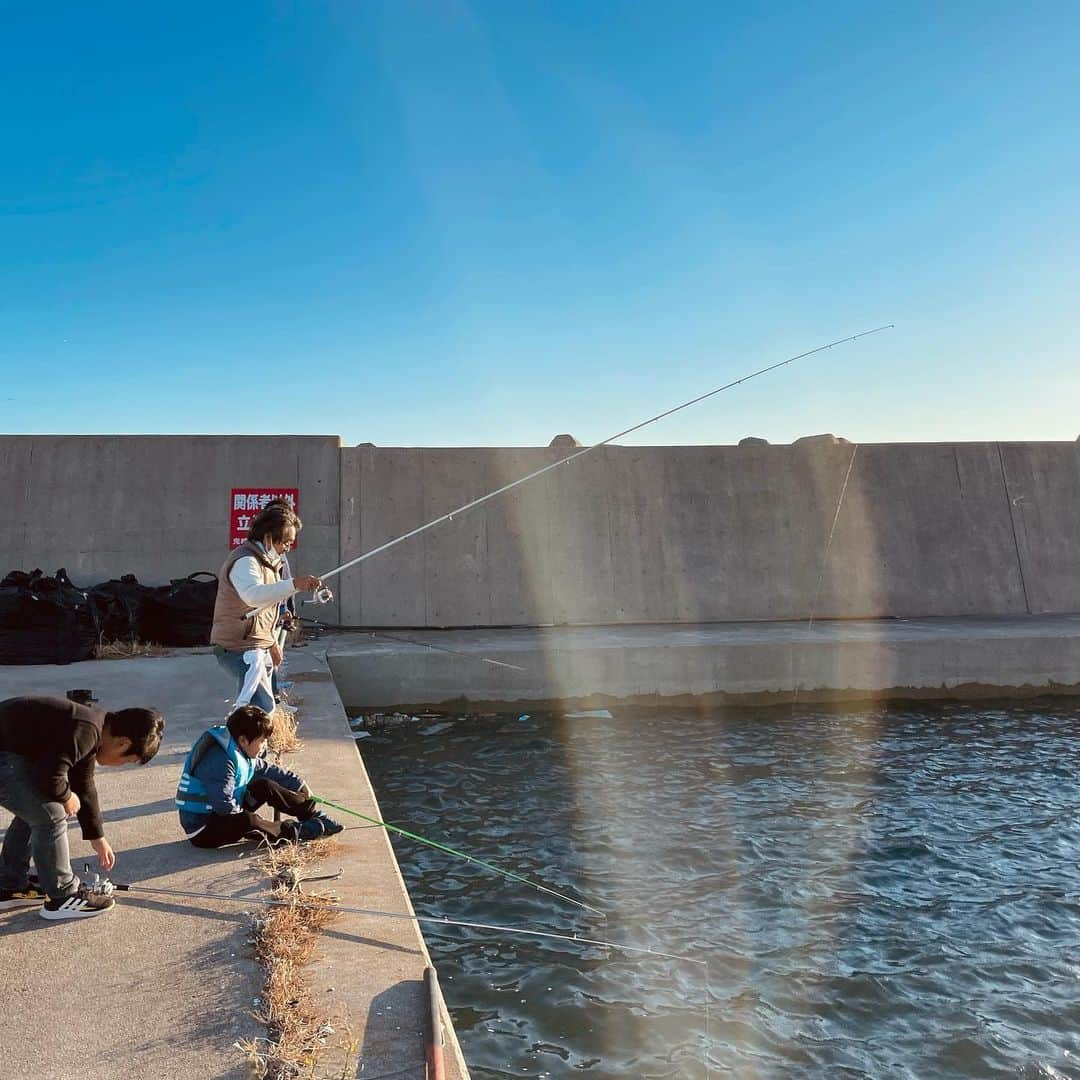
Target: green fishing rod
[{"x": 460, "y": 854}]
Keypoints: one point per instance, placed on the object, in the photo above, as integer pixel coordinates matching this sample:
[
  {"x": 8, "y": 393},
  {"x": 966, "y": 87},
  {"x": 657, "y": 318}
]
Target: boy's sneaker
[
  {"x": 330, "y": 826},
  {"x": 14, "y": 898},
  {"x": 81, "y": 904},
  {"x": 312, "y": 829}
]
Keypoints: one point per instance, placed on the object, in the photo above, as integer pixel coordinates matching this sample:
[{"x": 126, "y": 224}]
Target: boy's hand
[
  {"x": 106, "y": 855},
  {"x": 307, "y": 583},
  {"x": 71, "y": 805},
  {"x": 275, "y": 655}
]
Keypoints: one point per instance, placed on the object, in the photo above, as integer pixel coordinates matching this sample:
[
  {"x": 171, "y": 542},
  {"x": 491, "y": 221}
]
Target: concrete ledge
[
  {"x": 745, "y": 663},
  {"x": 164, "y": 986}
]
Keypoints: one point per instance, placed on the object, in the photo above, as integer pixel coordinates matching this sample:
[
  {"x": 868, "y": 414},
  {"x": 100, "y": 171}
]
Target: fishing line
[
  {"x": 589, "y": 449},
  {"x": 461, "y": 854},
  {"x": 828, "y": 543},
  {"x": 106, "y": 887},
  {"x": 436, "y": 920},
  {"x": 420, "y": 644},
  {"x": 821, "y": 571},
  {"x": 442, "y": 648}
]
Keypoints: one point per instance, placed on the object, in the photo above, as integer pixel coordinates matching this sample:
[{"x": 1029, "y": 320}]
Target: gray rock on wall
[
  {"x": 822, "y": 440},
  {"x": 564, "y": 442}
]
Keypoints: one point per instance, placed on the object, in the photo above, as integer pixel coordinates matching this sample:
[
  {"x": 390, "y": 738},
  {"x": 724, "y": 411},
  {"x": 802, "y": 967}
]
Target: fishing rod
[
  {"x": 105, "y": 887},
  {"x": 461, "y": 854},
  {"x": 450, "y": 515}
]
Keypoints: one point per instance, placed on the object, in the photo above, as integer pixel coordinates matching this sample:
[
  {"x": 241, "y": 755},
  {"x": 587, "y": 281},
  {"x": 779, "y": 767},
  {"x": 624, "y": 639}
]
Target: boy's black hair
[
  {"x": 143, "y": 727},
  {"x": 250, "y": 721}
]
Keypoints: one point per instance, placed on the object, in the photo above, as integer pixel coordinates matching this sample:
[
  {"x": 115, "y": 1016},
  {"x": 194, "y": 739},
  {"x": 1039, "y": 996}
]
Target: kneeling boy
[{"x": 225, "y": 781}]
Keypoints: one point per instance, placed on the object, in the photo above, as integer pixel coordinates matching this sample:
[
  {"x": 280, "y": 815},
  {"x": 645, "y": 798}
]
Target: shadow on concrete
[
  {"x": 219, "y": 1026},
  {"x": 22, "y": 921},
  {"x": 184, "y": 907},
  {"x": 124, "y": 813},
  {"x": 375, "y": 943},
  {"x": 388, "y": 1050}
]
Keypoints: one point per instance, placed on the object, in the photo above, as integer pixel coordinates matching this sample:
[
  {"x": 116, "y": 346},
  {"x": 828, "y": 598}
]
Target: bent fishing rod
[
  {"x": 450, "y": 515},
  {"x": 324, "y": 595}
]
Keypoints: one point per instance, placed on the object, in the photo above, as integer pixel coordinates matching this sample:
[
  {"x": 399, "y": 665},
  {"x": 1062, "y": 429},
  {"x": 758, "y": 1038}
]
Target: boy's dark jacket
[
  {"x": 60, "y": 740},
  {"x": 218, "y": 774}
]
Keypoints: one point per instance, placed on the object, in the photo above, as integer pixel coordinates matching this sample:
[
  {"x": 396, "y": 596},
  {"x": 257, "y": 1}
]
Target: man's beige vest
[{"x": 231, "y": 629}]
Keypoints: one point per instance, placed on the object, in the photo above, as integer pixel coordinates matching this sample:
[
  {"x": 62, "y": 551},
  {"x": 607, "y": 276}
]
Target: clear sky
[{"x": 483, "y": 223}]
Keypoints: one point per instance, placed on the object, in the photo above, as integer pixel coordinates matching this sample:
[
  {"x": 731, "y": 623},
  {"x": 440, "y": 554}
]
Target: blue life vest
[{"x": 191, "y": 792}]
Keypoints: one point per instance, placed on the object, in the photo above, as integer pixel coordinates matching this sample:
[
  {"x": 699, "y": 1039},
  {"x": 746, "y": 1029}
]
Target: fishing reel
[
  {"x": 98, "y": 885},
  {"x": 321, "y": 596}
]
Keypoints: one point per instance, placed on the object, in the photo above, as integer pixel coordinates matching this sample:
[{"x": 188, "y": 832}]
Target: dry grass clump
[
  {"x": 285, "y": 865},
  {"x": 285, "y": 937},
  {"x": 284, "y": 738},
  {"x": 127, "y": 650}
]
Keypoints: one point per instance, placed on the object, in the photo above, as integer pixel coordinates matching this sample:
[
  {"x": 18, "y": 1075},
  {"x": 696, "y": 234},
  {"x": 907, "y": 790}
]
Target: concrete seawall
[
  {"x": 156, "y": 506},
  {"x": 625, "y": 535},
  {"x": 709, "y": 664}
]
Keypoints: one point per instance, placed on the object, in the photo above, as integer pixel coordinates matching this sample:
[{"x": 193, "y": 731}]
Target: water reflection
[{"x": 885, "y": 892}]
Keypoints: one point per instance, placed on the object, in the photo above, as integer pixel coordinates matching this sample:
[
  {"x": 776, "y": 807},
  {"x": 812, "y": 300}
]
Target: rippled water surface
[{"x": 878, "y": 893}]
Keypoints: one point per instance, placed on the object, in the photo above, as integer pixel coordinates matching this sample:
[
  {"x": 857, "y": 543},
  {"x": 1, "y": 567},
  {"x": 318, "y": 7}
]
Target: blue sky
[{"x": 462, "y": 223}]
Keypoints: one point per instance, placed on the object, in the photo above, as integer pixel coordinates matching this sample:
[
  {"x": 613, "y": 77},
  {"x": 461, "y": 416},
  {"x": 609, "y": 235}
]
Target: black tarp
[
  {"x": 45, "y": 620},
  {"x": 48, "y": 620}
]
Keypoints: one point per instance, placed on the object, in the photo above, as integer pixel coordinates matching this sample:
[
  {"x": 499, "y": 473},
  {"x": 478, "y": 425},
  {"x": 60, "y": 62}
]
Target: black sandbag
[
  {"x": 120, "y": 603},
  {"x": 18, "y": 577},
  {"x": 182, "y": 613},
  {"x": 45, "y": 620}
]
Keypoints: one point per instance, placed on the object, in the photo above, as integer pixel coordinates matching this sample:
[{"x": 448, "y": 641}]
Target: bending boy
[
  {"x": 48, "y": 750},
  {"x": 225, "y": 781}
]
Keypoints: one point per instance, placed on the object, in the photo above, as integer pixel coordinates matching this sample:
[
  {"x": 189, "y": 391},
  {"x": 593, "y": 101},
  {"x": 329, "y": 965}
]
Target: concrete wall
[
  {"x": 624, "y": 535},
  {"x": 1043, "y": 485},
  {"x": 707, "y": 533},
  {"x": 154, "y": 506}
]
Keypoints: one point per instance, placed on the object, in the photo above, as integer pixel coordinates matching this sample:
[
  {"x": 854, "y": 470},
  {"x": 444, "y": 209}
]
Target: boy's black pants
[{"x": 228, "y": 828}]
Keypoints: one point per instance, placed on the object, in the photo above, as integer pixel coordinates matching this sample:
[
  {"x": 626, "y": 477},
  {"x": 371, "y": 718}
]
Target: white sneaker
[{"x": 79, "y": 905}]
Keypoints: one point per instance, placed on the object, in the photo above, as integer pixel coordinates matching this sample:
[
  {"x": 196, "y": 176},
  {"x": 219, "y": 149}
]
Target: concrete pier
[
  {"x": 737, "y": 663},
  {"x": 164, "y": 986}
]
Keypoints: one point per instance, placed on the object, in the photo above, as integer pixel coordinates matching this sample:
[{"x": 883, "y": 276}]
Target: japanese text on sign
[{"x": 246, "y": 503}]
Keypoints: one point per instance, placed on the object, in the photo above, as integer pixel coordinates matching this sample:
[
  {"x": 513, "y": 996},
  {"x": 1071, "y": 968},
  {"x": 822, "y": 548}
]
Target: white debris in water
[
  {"x": 590, "y": 714},
  {"x": 435, "y": 729}
]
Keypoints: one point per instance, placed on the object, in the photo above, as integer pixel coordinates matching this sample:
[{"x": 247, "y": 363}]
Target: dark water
[{"x": 878, "y": 893}]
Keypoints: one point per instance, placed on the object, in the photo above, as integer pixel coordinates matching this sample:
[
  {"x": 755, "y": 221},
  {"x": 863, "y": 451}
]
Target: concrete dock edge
[{"x": 166, "y": 986}]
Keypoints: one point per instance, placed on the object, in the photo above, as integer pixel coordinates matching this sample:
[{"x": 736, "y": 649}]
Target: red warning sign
[{"x": 247, "y": 502}]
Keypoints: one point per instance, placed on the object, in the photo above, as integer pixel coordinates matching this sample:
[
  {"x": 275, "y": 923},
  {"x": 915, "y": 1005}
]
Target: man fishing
[
  {"x": 246, "y": 645},
  {"x": 226, "y": 780},
  {"x": 48, "y": 750}
]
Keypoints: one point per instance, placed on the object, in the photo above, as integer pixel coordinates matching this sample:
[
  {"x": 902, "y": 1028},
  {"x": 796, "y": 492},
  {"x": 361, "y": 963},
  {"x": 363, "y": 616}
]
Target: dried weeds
[
  {"x": 128, "y": 650},
  {"x": 299, "y": 1039},
  {"x": 284, "y": 739}
]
